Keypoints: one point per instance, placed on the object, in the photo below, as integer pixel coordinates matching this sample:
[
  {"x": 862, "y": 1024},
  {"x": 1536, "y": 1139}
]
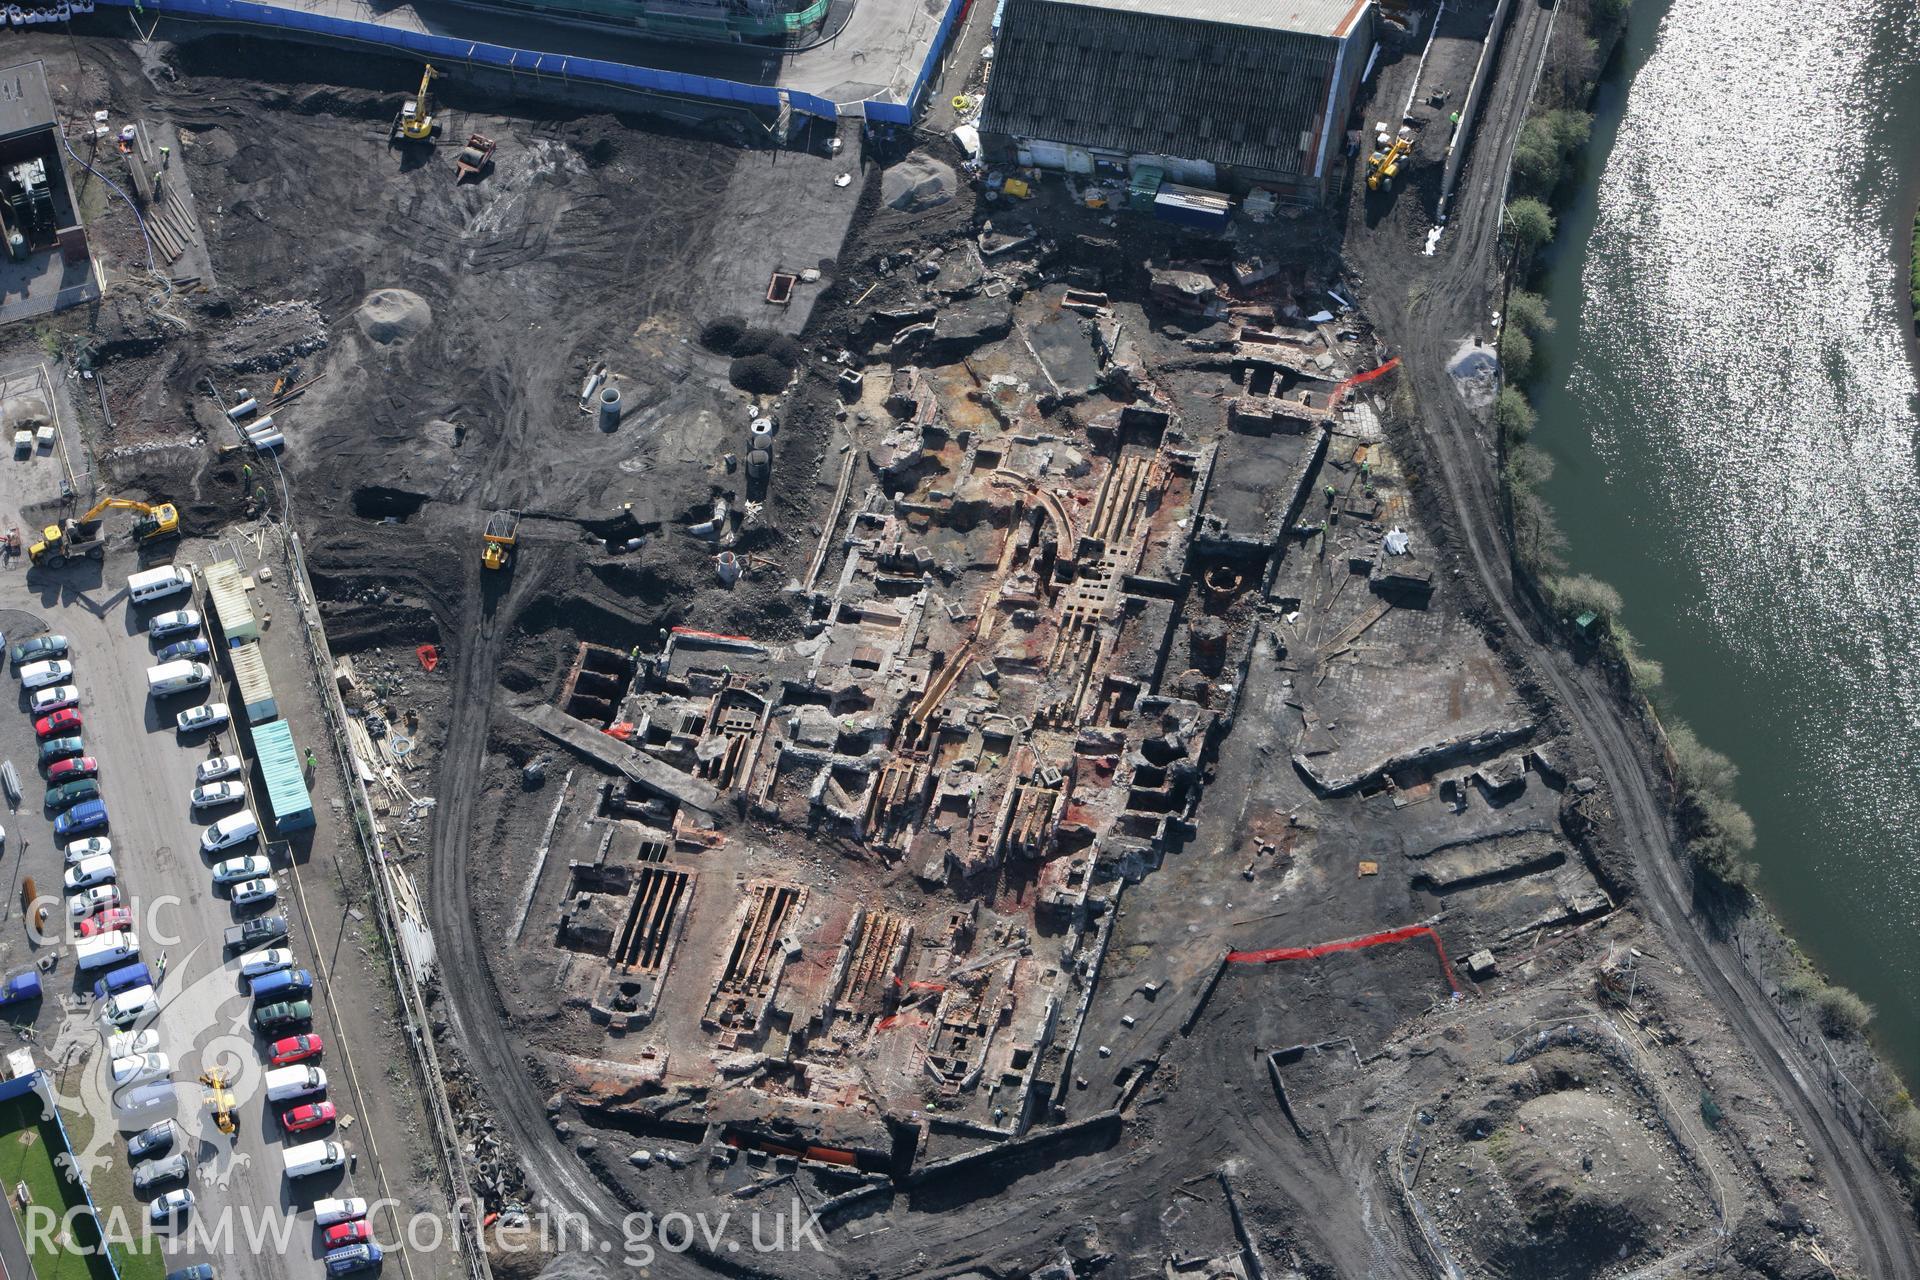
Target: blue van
[
  {"x": 88, "y": 815},
  {"x": 351, "y": 1258},
  {"x": 127, "y": 975},
  {"x": 286, "y": 984}
]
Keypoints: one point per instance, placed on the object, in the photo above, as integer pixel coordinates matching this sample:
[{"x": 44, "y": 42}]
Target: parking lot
[{"x": 146, "y": 775}]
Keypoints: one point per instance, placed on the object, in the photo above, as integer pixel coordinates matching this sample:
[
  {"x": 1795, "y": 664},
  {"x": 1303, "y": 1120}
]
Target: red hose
[{"x": 1402, "y": 934}]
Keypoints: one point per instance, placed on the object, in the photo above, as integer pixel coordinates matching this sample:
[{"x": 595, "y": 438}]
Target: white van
[
  {"x": 284, "y": 1084},
  {"x": 157, "y": 584},
  {"x": 310, "y": 1158},
  {"x": 106, "y": 950},
  {"x": 235, "y": 828},
  {"x": 130, "y": 1006},
  {"x": 177, "y": 677}
]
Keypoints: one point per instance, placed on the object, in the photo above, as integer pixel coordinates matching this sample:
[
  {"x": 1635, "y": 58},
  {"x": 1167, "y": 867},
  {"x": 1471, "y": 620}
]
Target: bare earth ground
[{"x": 1539, "y": 1126}]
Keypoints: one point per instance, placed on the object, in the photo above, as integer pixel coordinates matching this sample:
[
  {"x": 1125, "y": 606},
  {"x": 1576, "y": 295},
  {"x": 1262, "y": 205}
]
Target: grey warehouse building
[{"x": 1231, "y": 93}]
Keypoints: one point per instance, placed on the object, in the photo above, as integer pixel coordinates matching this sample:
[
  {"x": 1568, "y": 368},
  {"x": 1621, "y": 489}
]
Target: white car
[
  {"x": 217, "y": 768},
  {"x": 214, "y": 794},
  {"x": 132, "y": 1044},
  {"x": 267, "y": 960},
  {"x": 91, "y": 847},
  {"x": 138, "y": 1069},
  {"x": 99, "y": 898},
  {"x": 90, "y": 871},
  {"x": 163, "y": 625},
  {"x": 170, "y": 1204},
  {"x": 247, "y": 867},
  {"x": 58, "y": 698},
  {"x": 248, "y": 892},
  {"x": 212, "y": 715},
  {"x": 38, "y": 675}
]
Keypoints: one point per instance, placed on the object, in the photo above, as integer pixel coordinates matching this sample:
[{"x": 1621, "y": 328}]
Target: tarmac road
[{"x": 1450, "y": 299}]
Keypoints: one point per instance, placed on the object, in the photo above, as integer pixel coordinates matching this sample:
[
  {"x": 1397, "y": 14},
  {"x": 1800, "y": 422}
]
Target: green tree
[
  {"x": 1528, "y": 311},
  {"x": 1513, "y": 415},
  {"x": 1516, "y": 354},
  {"x": 1529, "y": 225}
]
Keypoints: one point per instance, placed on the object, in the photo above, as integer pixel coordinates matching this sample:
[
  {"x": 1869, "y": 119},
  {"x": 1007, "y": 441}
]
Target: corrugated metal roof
[
  {"x": 250, "y": 673},
  {"x": 1145, "y": 78},
  {"x": 1308, "y": 17},
  {"x": 226, "y": 589},
  {"x": 286, "y": 784}
]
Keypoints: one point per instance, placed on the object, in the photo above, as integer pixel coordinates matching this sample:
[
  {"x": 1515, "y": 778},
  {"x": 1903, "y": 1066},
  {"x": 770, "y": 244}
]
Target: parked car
[
  {"x": 38, "y": 675},
  {"x": 355, "y": 1257},
  {"x": 58, "y": 698},
  {"x": 214, "y": 794},
  {"x": 282, "y": 984},
  {"x": 90, "y": 871},
  {"x": 90, "y": 847},
  {"x": 106, "y": 922},
  {"x": 338, "y": 1209},
  {"x": 198, "y": 1271},
  {"x": 172, "y": 1204},
  {"x": 139, "y": 1070},
  {"x": 294, "y": 1049},
  {"x": 250, "y": 866},
  {"x": 217, "y": 768},
  {"x": 344, "y": 1233},
  {"x": 153, "y": 1140},
  {"x": 264, "y": 961},
  {"x": 154, "y": 1173},
  {"x": 173, "y": 623},
  {"x": 73, "y": 767},
  {"x": 55, "y": 749},
  {"x": 132, "y": 1044},
  {"x": 183, "y": 650},
  {"x": 69, "y": 794},
  {"x": 308, "y": 1115},
  {"x": 257, "y": 932},
  {"x": 88, "y": 901},
  {"x": 59, "y": 724},
  {"x": 39, "y": 649},
  {"x": 20, "y": 988},
  {"x": 274, "y": 1016},
  {"x": 210, "y": 715},
  {"x": 248, "y": 892},
  {"x": 88, "y": 815}
]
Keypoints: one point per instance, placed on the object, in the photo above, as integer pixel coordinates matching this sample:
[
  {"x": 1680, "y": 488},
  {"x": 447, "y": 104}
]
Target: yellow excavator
[
  {"x": 80, "y": 536},
  {"x": 1383, "y": 166},
  {"x": 415, "y": 121},
  {"x": 496, "y": 544},
  {"x": 220, "y": 1101}
]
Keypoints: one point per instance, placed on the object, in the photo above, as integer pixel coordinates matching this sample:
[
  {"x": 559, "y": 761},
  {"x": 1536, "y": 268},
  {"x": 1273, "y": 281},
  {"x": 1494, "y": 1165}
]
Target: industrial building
[
  {"x": 774, "y": 22},
  {"x": 44, "y": 264},
  {"x": 1216, "y": 93}
]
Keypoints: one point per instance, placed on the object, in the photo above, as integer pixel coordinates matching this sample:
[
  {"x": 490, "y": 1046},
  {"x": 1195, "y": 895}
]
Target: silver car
[{"x": 159, "y": 1172}]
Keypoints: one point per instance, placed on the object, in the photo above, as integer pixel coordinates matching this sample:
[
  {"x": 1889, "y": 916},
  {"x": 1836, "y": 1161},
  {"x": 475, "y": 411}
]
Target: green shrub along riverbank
[
  {"x": 1913, "y": 271},
  {"x": 1719, "y": 834}
]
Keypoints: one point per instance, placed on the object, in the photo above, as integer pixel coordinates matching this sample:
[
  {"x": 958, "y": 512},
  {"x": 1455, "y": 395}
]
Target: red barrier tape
[{"x": 1402, "y": 934}]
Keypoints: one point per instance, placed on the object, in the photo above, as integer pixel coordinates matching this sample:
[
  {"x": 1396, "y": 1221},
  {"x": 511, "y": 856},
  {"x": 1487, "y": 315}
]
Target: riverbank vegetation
[
  {"x": 1913, "y": 271},
  {"x": 1719, "y": 834}
]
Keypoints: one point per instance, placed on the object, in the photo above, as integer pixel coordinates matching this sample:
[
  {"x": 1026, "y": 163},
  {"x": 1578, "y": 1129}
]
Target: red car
[
  {"x": 340, "y": 1233},
  {"x": 71, "y": 768},
  {"x": 59, "y": 724},
  {"x": 310, "y": 1115},
  {"x": 296, "y": 1049},
  {"x": 106, "y": 922}
]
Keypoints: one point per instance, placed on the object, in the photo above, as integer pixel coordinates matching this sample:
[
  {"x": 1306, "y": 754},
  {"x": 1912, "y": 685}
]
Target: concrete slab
[{"x": 43, "y": 284}]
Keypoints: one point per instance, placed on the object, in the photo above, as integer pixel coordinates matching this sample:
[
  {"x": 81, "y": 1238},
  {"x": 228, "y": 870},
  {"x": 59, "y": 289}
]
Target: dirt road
[{"x": 1425, "y": 308}]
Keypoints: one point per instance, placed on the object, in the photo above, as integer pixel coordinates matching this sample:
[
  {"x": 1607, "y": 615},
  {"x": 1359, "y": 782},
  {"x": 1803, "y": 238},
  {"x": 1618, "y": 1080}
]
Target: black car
[
  {"x": 154, "y": 1140},
  {"x": 258, "y": 932}
]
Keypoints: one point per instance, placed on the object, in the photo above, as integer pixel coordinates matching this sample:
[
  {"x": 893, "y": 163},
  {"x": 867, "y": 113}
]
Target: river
[{"x": 1732, "y": 405}]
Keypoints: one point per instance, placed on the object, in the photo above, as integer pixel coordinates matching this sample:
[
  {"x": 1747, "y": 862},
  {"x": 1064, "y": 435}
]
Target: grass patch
[{"x": 27, "y": 1149}]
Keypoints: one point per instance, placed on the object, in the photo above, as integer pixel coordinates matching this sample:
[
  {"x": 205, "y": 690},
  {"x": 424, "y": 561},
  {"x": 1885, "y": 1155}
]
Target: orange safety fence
[{"x": 1271, "y": 954}]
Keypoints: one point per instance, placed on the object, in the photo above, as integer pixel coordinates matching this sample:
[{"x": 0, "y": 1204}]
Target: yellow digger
[
  {"x": 496, "y": 544},
  {"x": 415, "y": 122},
  {"x": 80, "y": 536},
  {"x": 1383, "y": 166},
  {"x": 220, "y": 1101}
]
